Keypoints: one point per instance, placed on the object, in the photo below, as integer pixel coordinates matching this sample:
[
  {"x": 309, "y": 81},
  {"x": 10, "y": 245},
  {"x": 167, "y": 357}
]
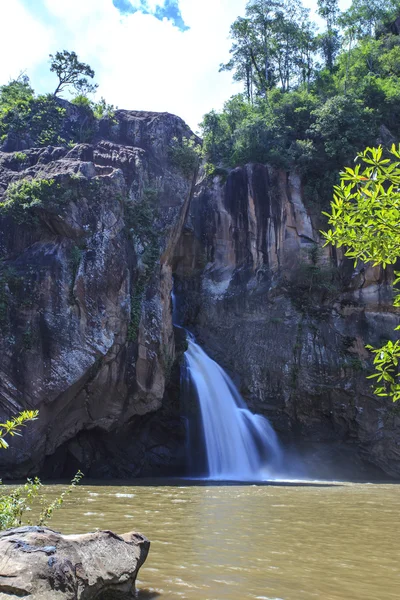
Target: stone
[
  {"x": 86, "y": 334},
  {"x": 41, "y": 564},
  {"x": 295, "y": 350}
]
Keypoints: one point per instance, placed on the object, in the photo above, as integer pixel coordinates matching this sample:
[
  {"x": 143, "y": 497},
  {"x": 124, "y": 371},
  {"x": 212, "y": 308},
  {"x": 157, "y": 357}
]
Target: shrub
[
  {"x": 21, "y": 197},
  {"x": 14, "y": 505},
  {"x": 313, "y": 284},
  {"x": 185, "y": 155},
  {"x": 20, "y": 156}
]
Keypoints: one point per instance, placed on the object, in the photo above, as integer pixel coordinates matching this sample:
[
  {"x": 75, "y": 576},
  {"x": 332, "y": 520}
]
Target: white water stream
[{"x": 239, "y": 444}]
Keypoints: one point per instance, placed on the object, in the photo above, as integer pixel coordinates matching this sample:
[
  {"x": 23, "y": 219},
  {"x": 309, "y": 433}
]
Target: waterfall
[{"x": 239, "y": 444}]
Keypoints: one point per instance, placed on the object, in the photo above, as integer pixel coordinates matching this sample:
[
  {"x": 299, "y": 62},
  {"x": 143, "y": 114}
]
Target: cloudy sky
[{"x": 159, "y": 55}]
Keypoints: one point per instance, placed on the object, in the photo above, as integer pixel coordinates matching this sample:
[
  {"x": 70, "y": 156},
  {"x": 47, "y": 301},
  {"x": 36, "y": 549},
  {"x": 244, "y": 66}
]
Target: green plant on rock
[
  {"x": 140, "y": 218},
  {"x": 365, "y": 219},
  {"x": 103, "y": 110},
  {"x": 185, "y": 155},
  {"x": 312, "y": 285},
  {"x": 71, "y": 71},
  {"x": 37, "y": 120},
  {"x": 14, "y": 505},
  {"x": 25, "y": 498},
  {"x": 23, "y": 196}
]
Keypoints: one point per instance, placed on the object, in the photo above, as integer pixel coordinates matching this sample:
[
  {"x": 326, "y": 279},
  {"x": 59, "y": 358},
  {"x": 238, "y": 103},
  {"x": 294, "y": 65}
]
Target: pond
[{"x": 266, "y": 542}]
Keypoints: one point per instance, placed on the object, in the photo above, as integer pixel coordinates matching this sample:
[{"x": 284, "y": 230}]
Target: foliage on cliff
[
  {"x": 365, "y": 218},
  {"x": 29, "y": 120},
  {"x": 311, "y": 100}
]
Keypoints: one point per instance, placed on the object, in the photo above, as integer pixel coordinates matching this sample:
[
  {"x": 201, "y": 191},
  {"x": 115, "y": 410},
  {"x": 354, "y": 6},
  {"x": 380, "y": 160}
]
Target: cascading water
[{"x": 239, "y": 445}]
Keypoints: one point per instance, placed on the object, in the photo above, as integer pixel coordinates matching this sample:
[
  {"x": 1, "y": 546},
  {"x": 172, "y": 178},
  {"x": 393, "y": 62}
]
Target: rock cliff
[
  {"x": 86, "y": 274},
  {"x": 85, "y": 287},
  {"x": 289, "y": 321}
]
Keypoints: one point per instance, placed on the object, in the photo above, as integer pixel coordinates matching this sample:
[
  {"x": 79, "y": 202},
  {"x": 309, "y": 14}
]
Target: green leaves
[
  {"x": 14, "y": 505},
  {"x": 71, "y": 72},
  {"x": 365, "y": 219},
  {"x": 365, "y": 211},
  {"x": 21, "y": 197},
  {"x": 27, "y": 498},
  {"x": 14, "y": 426}
]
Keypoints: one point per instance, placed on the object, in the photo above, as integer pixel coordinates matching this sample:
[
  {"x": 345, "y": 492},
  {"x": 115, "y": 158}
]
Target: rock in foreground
[{"x": 39, "y": 563}]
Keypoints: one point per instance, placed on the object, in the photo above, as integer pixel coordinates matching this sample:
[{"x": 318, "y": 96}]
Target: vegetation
[
  {"x": 23, "y": 498},
  {"x": 311, "y": 100},
  {"x": 22, "y": 115},
  {"x": 24, "y": 195},
  {"x": 13, "y": 426},
  {"x": 30, "y": 120},
  {"x": 185, "y": 155},
  {"x": 140, "y": 220},
  {"x": 14, "y": 505},
  {"x": 313, "y": 284},
  {"x": 365, "y": 218},
  {"x": 71, "y": 72}
]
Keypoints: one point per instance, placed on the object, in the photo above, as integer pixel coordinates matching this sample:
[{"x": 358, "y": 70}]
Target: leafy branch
[
  {"x": 14, "y": 426},
  {"x": 365, "y": 219}
]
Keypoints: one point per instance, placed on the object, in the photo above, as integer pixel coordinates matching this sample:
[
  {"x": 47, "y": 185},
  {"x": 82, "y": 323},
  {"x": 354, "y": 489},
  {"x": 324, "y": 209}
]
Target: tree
[
  {"x": 330, "y": 40},
  {"x": 71, "y": 72},
  {"x": 366, "y": 16},
  {"x": 242, "y": 61},
  {"x": 273, "y": 43},
  {"x": 365, "y": 218}
]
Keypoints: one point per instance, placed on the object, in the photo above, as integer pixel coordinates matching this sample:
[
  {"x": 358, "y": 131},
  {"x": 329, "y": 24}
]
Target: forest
[{"x": 311, "y": 99}]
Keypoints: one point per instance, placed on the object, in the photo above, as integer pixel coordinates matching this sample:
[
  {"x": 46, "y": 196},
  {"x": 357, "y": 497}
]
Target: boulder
[{"x": 39, "y": 563}]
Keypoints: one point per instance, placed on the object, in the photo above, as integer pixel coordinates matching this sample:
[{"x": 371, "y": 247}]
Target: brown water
[{"x": 338, "y": 542}]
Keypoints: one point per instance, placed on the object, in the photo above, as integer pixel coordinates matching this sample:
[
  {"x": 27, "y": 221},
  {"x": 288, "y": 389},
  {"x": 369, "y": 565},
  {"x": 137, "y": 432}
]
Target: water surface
[{"x": 268, "y": 542}]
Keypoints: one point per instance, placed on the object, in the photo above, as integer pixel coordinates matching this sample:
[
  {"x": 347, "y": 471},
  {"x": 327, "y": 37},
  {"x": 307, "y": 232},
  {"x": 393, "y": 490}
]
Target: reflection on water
[{"x": 258, "y": 542}]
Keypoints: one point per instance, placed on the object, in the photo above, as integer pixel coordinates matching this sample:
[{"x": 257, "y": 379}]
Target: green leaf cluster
[
  {"x": 185, "y": 154},
  {"x": 27, "y": 120},
  {"x": 13, "y": 426},
  {"x": 35, "y": 121},
  {"x": 14, "y": 505},
  {"x": 140, "y": 218},
  {"x": 26, "y": 498},
  {"x": 23, "y": 196},
  {"x": 365, "y": 220}
]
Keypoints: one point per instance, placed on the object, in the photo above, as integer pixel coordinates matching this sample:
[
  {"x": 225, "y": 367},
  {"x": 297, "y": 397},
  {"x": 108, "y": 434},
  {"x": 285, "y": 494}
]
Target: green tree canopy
[{"x": 71, "y": 72}]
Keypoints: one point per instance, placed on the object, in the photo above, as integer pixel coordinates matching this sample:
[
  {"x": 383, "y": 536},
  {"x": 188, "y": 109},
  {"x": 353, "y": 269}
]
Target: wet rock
[
  {"x": 289, "y": 321},
  {"x": 41, "y": 564}
]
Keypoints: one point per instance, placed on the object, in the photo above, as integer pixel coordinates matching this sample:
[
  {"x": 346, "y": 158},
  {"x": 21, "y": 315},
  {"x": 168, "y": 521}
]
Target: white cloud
[
  {"x": 141, "y": 63},
  {"x": 24, "y": 40},
  {"x": 145, "y": 64}
]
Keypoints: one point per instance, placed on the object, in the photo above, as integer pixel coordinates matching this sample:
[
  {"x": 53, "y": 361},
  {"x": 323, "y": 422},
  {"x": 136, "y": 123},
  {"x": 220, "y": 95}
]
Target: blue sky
[{"x": 158, "y": 55}]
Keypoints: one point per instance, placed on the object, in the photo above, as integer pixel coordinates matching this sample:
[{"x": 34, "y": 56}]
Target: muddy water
[{"x": 273, "y": 542}]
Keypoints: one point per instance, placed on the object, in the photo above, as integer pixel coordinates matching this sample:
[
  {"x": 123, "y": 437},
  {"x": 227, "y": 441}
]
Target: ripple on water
[{"x": 259, "y": 543}]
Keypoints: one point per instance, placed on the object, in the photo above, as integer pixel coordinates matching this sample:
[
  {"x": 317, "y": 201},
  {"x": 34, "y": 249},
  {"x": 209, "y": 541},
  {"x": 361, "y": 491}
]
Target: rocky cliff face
[
  {"x": 289, "y": 321},
  {"x": 86, "y": 274},
  {"x": 85, "y": 287}
]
